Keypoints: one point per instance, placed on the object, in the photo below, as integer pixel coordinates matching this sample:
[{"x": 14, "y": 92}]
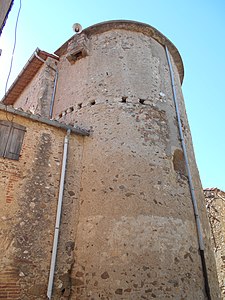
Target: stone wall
[
  {"x": 136, "y": 236},
  {"x": 215, "y": 203},
  {"x": 28, "y": 200},
  {"x": 128, "y": 226},
  {"x": 36, "y": 97}
]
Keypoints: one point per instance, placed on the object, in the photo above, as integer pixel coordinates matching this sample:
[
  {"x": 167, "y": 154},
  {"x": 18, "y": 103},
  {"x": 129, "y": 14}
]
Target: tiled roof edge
[
  {"x": 14, "y": 87},
  {"x": 77, "y": 130}
]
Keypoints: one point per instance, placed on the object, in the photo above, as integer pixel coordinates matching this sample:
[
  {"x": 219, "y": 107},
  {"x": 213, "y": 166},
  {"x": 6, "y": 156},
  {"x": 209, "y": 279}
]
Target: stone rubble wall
[
  {"x": 136, "y": 235},
  {"x": 128, "y": 228},
  {"x": 36, "y": 97},
  {"x": 215, "y": 203},
  {"x": 28, "y": 200}
]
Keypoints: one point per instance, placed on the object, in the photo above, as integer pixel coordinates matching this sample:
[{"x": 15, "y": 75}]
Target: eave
[{"x": 26, "y": 75}]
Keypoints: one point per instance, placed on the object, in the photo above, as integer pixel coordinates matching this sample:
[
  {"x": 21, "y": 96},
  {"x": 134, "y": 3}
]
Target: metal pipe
[
  {"x": 44, "y": 61},
  {"x": 38, "y": 57},
  {"x": 58, "y": 217},
  {"x": 53, "y": 94},
  {"x": 191, "y": 186}
]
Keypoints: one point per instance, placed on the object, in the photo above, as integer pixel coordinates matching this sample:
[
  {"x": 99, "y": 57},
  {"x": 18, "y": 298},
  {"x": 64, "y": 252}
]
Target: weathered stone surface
[
  {"x": 105, "y": 275},
  {"x": 29, "y": 192},
  {"x": 215, "y": 203},
  {"x": 136, "y": 218},
  {"x": 127, "y": 229},
  {"x": 37, "y": 97}
]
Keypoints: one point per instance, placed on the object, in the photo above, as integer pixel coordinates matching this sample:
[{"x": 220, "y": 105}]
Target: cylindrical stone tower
[{"x": 136, "y": 233}]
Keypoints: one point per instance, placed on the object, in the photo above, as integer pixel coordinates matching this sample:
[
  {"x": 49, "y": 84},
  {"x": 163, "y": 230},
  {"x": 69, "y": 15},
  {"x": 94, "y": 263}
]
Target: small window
[{"x": 11, "y": 139}]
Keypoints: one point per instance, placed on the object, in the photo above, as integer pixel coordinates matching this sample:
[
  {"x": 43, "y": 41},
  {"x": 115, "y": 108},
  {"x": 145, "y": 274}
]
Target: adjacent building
[{"x": 215, "y": 203}]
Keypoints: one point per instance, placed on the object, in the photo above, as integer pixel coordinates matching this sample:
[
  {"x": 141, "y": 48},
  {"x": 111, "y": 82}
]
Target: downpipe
[
  {"x": 191, "y": 186},
  {"x": 58, "y": 217}
]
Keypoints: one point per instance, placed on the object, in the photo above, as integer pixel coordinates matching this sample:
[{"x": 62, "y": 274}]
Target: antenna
[{"x": 77, "y": 28}]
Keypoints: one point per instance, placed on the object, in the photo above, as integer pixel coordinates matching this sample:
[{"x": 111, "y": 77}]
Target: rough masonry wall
[
  {"x": 215, "y": 203},
  {"x": 28, "y": 200},
  {"x": 69, "y": 220},
  {"x": 210, "y": 259},
  {"x": 136, "y": 236},
  {"x": 36, "y": 97}
]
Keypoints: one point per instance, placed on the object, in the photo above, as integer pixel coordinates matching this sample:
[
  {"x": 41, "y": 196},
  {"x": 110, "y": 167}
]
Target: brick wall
[
  {"x": 9, "y": 284},
  {"x": 28, "y": 200}
]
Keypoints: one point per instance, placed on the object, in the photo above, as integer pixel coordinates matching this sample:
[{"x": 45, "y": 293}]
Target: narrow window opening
[
  {"x": 79, "y": 105},
  {"x": 142, "y": 101},
  {"x": 63, "y": 291},
  {"x": 73, "y": 57},
  {"x": 124, "y": 99},
  {"x": 71, "y": 108},
  {"x": 78, "y": 55}
]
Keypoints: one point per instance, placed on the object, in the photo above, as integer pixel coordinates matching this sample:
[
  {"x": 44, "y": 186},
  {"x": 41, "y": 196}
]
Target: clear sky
[{"x": 196, "y": 27}]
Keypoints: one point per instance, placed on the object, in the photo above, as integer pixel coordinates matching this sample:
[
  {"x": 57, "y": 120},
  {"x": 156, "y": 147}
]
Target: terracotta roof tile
[{"x": 26, "y": 75}]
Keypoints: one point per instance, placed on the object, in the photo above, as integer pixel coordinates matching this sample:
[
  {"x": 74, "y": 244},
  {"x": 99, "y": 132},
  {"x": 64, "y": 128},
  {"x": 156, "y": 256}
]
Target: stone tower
[
  {"x": 136, "y": 237},
  {"x": 134, "y": 223}
]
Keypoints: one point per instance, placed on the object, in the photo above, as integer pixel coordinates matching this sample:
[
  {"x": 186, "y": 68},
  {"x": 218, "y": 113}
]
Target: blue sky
[{"x": 196, "y": 27}]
